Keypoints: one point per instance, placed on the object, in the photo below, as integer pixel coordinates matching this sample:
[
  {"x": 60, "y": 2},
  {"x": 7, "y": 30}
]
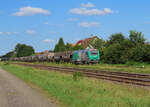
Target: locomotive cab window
[{"x": 94, "y": 53}]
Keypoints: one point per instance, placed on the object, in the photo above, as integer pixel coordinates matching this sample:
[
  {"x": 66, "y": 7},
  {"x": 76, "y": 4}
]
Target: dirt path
[{"x": 15, "y": 93}]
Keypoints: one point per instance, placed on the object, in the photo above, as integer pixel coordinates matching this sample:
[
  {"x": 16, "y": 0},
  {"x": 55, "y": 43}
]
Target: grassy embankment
[
  {"x": 131, "y": 67},
  {"x": 83, "y": 93}
]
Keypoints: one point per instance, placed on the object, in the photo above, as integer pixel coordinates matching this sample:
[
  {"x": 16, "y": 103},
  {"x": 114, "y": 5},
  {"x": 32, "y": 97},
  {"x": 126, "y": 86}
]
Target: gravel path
[{"x": 15, "y": 93}]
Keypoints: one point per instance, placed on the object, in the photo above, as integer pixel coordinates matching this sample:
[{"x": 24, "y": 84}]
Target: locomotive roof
[{"x": 85, "y": 50}]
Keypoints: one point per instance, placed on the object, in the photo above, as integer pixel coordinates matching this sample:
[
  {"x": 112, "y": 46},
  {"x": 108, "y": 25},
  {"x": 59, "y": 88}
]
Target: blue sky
[{"x": 40, "y": 23}]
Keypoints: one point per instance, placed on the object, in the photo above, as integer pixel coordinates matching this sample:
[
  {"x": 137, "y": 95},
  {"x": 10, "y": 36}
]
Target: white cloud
[
  {"x": 46, "y": 23},
  {"x": 53, "y": 32},
  {"x": 73, "y": 19},
  {"x": 30, "y": 11},
  {"x": 48, "y": 41},
  {"x": 8, "y": 33},
  {"x": 31, "y": 32},
  {"x": 146, "y": 22},
  {"x": 1, "y": 33},
  {"x": 91, "y": 12},
  {"x": 15, "y": 32},
  {"x": 58, "y": 25},
  {"x": 89, "y": 24},
  {"x": 87, "y": 5}
]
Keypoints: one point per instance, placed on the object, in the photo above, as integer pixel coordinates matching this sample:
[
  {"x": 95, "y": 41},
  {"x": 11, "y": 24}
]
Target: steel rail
[{"x": 122, "y": 77}]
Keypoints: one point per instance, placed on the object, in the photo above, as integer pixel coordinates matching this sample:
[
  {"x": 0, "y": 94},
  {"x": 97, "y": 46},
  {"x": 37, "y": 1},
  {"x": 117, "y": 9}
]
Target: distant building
[
  {"x": 73, "y": 44},
  {"x": 86, "y": 43},
  {"x": 45, "y": 52}
]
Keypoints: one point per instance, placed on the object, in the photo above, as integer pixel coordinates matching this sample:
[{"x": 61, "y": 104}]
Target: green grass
[
  {"x": 136, "y": 67},
  {"x": 83, "y": 93}
]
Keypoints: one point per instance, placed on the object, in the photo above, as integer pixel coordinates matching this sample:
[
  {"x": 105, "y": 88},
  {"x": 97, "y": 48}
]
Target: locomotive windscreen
[{"x": 94, "y": 52}]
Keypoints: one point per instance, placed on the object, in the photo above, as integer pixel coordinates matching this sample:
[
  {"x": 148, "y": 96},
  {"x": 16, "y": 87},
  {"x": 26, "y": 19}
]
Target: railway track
[{"x": 122, "y": 77}]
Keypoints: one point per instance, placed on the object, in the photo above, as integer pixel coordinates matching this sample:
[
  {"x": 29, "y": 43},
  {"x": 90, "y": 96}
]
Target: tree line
[
  {"x": 20, "y": 50},
  {"x": 118, "y": 49}
]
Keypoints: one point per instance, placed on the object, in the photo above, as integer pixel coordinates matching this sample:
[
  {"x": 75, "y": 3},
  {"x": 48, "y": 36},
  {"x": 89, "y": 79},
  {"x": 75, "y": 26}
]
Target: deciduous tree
[{"x": 23, "y": 50}]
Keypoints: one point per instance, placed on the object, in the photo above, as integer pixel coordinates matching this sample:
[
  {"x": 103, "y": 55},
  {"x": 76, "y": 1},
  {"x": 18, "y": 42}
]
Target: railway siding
[{"x": 122, "y": 77}]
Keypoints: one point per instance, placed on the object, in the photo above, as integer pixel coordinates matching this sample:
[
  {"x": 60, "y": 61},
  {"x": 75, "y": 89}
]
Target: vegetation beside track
[
  {"x": 132, "y": 67},
  {"x": 83, "y": 93}
]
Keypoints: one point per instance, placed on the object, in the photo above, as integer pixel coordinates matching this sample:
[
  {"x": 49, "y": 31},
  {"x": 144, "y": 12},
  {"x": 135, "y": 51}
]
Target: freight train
[{"x": 86, "y": 56}]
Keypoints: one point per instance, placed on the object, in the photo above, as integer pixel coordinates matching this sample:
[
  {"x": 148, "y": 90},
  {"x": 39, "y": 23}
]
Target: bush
[
  {"x": 130, "y": 63},
  {"x": 112, "y": 54},
  {"x": 77, "y": 76},
  {"x": 140, "y": 53},
  {"x": 6, "y": 63}
]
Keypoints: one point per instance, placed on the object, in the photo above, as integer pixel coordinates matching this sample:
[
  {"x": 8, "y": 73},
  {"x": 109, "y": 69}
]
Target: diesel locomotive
[{"x": 86, "y": 56}]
